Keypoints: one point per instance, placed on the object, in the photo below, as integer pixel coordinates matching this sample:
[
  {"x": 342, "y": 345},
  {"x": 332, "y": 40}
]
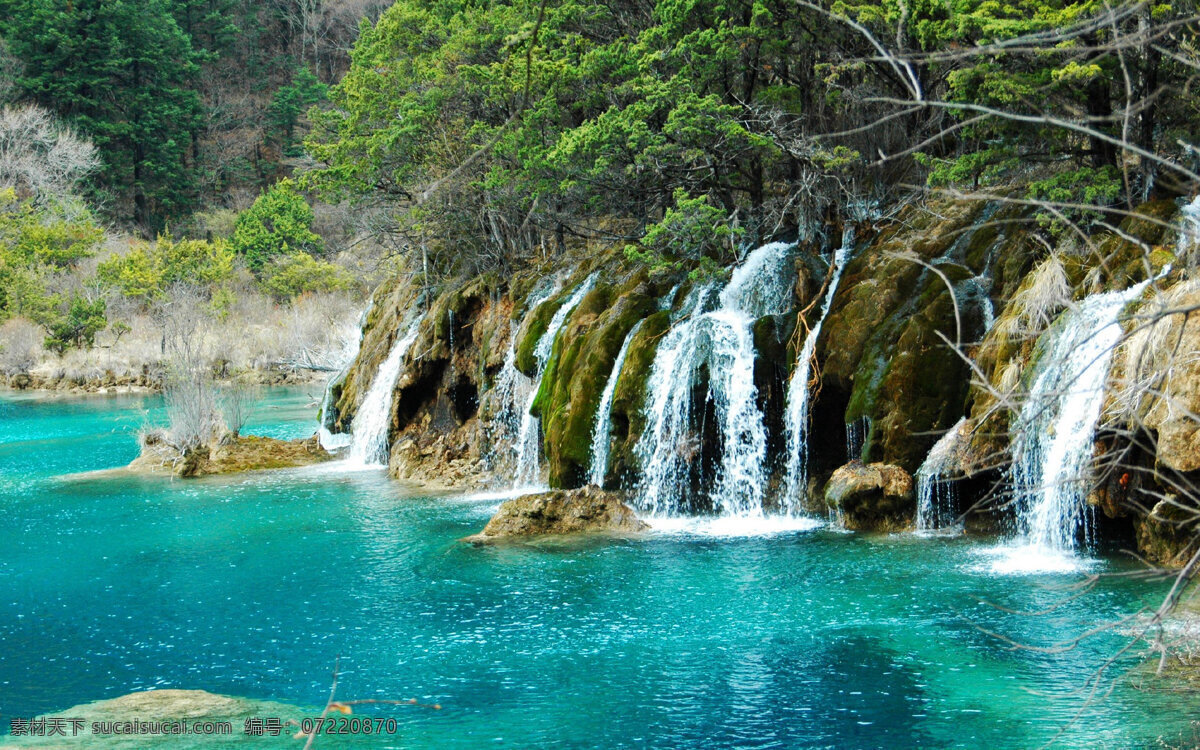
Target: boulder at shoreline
[{"x": 586, "y": 510}]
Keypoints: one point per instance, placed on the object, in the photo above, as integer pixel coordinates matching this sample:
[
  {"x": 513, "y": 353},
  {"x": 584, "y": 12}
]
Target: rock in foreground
[
  {"x": 159, "y": 714},
  {"x": 872, "y": 497},
  {"x": 231, "y": 454},
  {"x": 579, "y": 511}
]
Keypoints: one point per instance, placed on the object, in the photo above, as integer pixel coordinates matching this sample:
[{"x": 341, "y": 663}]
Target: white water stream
[
  {"x": 600, "y": 433},
  {"x": 369, "y": 429},
  {"x": 718, "y": 342},
  {"x": 797, "y": 415},
  {"x": 1054, "y": 434},
  {"x": 529, "y": 449}
]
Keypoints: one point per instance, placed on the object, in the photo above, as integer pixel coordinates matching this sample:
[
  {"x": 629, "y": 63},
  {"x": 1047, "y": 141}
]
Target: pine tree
[{"x": 122, "y": 71}]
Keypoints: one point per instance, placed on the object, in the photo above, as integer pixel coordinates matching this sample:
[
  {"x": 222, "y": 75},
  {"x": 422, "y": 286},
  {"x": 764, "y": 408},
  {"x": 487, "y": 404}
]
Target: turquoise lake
[{"x": 252, "y": 585}]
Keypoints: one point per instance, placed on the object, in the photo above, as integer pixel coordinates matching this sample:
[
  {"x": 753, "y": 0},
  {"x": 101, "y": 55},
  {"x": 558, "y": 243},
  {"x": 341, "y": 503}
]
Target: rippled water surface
[{"x": 770, "y": 637}]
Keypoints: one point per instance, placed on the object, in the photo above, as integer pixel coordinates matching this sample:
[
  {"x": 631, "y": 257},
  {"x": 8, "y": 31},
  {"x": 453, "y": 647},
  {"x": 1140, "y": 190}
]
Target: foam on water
[
  {"x": 507, "y": 493},
  {"x": 732, "y": 526},
  {"x": 1017, "y": 559}
]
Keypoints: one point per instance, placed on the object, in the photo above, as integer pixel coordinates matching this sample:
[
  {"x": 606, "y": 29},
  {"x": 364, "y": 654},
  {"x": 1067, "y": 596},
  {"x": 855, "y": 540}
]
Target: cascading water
[
  {"x": 330, "y": 440},
  {"x": 936, "y": 497},
  {"x": 1053, "y": 442},
  {"x": 856, "y": 437},
  {"x": 528, "y": 444},
  {"x": 796, "y": 416},
  {"x": 1188, "y": 246},
  {"x": 600, "y": 433},
  {"x": 974, "y": 292},
  {"x": 719, "y": 342},
  {"x": 512, "y": 387},
  {"x": 369, "y": 429}
]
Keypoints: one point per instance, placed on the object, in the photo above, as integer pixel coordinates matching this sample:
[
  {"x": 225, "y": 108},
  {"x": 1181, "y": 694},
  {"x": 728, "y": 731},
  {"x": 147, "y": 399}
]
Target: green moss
[
  {"x": 576, "y": 374},
  {"x": 881, "y": 342},
  {"x": 531, "y": 333},
  {"x": 630, "y": 395},
  {"x": 1016, "y": 253},
  {"x": 1119, "y": 259}
]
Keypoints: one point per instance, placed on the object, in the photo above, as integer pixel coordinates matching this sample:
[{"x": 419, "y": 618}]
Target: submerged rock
[
  {"x": 159, "y": 716},
  {"x": 232, "y": 454},
  {"x": 585, "y": 510},
  {"x": 872, "y": 497}
]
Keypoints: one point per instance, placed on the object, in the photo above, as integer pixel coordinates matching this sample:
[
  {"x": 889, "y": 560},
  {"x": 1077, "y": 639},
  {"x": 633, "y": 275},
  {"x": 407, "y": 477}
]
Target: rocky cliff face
[{"x": 938, "y": 317}]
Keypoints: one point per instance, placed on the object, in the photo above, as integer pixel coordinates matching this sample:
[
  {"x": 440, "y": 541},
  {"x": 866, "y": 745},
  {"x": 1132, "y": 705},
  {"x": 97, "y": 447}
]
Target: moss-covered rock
[
  {"x": 231, "y": 454},
  {"x": 628, "y": 417},
  {"x": 1007, "y": 356},
  {"x": 1133, "y": 253},
  {"x": 578, "y": 369},
  {"x": 917, "y": 290},
  {"x": 532, "y": 330}
]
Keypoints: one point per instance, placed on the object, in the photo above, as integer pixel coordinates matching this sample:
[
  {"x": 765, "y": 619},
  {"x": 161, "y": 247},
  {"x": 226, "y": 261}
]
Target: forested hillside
[
  {"x": 187, "y": 101},
  {"x": 146, "y": 149},
  {"x": 688, "y": 129}
]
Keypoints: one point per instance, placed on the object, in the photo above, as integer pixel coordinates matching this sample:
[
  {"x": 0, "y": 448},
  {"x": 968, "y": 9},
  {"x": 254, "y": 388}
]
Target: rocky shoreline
[
  {"x": 108, "y": 383},
  {"x": 889, "y": 381}
]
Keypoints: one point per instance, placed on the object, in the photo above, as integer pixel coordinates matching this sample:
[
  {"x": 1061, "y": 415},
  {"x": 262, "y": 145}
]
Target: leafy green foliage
[
  {"x": 34, "y": 243},
  {"x": 148, "y": 270},
  {"x": 500, "y": 130},
  {"x": 279, "y": 223},
  {"x": 290, "y": 276},
  {"x": 693, "y": 228},
  {"x": 622, "y": 108}
]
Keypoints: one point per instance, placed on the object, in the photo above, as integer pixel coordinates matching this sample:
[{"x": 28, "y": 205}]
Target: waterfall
[
  {"x": 528, "y": 442},
  {"x": 600, "y": 433},
  {"x": 975, "y": 291},
  {"x": 856, "y": 437},
  {"x": 330, "y": 440},
  {"x": 511, "y": 389},
  {"x": 370, "y": 426},
  {"x": 796, "y": 416},
  {"x": 719, "y": 341},
  {"x": 935, "y": 497},
  {"x": 1188, "y": 244},
  {"x": 1053, "y": 441}
]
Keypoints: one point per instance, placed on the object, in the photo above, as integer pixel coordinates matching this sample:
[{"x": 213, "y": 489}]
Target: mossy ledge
[
  {"x": 945, "y": 279},
  {"x": 230, "y": 454}
]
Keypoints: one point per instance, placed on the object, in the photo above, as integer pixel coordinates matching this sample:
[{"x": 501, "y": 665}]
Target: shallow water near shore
[{"x": 771, "y": 636}]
